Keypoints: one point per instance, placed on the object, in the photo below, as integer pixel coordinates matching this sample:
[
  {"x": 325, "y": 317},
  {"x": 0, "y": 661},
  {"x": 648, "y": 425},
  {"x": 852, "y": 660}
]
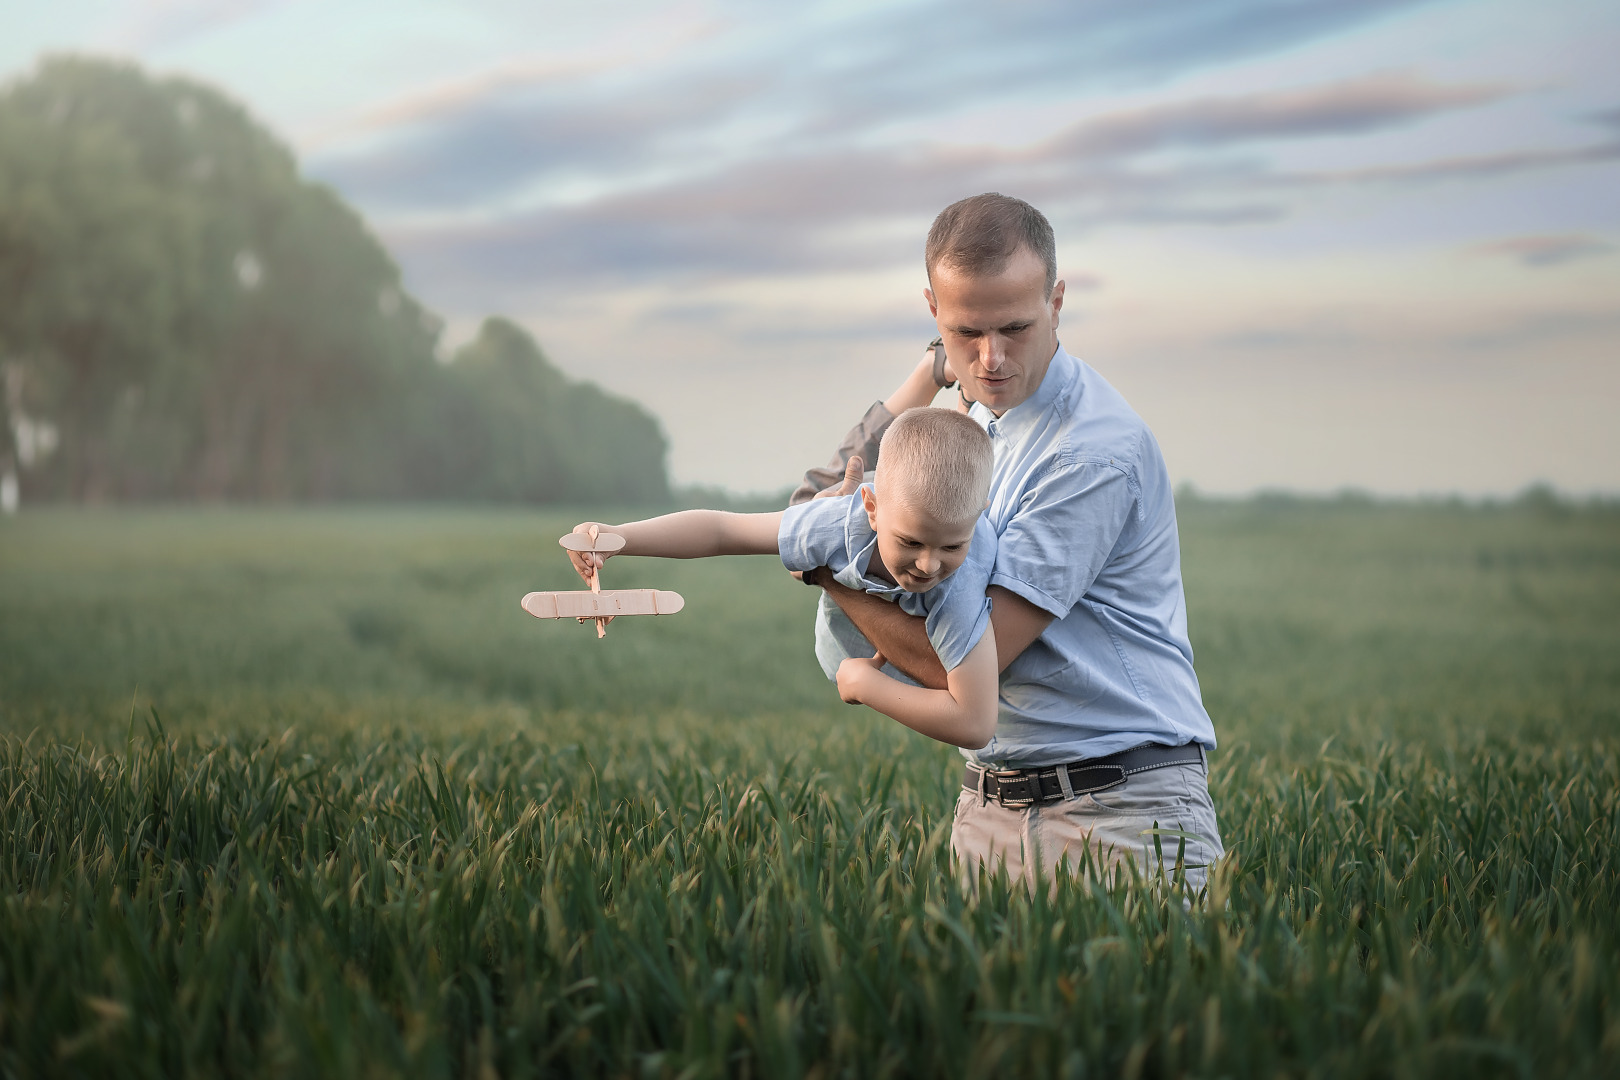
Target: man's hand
[
  {"x": 855, "y": 673},
  {"x": 854, "y": 473}
]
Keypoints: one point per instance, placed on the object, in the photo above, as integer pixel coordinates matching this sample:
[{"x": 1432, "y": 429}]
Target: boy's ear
[{"x": 869, "y": 500}]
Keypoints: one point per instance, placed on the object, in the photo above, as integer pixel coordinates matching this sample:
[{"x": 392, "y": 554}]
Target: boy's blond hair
[{"x": 937, "y": 462}]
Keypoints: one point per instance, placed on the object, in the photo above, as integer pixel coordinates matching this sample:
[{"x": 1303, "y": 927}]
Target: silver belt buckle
[{"x": 1002, "y": 776}]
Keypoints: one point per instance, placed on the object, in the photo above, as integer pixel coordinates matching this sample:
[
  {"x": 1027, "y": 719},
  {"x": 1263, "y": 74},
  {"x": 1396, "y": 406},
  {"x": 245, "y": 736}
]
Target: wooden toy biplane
[{"x": 601, "y": 605}]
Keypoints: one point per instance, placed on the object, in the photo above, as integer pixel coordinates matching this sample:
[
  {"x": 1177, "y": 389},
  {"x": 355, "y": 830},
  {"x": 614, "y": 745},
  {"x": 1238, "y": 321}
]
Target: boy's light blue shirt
[{"x": 834, "y": 532}]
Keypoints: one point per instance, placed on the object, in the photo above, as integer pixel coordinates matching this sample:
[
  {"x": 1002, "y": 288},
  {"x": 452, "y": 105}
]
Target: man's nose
[{"x": 991, "y": 353}]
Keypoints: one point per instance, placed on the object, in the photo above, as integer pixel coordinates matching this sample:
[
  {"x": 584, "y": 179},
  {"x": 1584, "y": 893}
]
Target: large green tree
[
  {"x": 546, "y": 439},
  {"x": 95, "y": 269},
  {"x": 192, "y": 318}
]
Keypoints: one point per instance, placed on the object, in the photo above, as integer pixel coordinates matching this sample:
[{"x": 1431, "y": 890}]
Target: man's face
[
  {"x": 919, "y": 550},
  {"x": 1000, "y": 330}
]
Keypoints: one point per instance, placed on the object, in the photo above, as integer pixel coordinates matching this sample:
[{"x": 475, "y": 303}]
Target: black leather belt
[{"x": 1030, "y": 787}]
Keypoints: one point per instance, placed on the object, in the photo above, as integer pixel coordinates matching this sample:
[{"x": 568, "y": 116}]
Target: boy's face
[{"x": 919, "y": 550}]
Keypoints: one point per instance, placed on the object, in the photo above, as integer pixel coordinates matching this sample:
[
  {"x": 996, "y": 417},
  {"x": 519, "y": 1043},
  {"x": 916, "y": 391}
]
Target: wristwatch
[{"x": 938, "y": 345}]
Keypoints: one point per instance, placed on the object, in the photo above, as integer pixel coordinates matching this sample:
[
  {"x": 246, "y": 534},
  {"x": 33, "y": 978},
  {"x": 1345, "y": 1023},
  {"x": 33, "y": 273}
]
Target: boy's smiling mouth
[{"x": 924, "y": 582}]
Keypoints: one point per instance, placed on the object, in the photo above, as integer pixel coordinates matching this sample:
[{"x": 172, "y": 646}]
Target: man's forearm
[
  {"x": 863, "y": 439},
  {"x": 901, "y": 638},
  {"x": 862, "y": 442}
]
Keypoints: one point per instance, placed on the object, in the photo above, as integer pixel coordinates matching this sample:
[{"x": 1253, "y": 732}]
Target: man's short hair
[
  {"x": 937, "y": 462},
  {"x": 978, "y": 236}
]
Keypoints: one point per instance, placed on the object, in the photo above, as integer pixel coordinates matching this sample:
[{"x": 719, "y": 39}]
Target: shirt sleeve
[
  {"x": 962, "y": 616},
  {"x": 863, "y": 439},
  {"x": 1059, "y": 540},
  {"x": 812, "y": 533}
]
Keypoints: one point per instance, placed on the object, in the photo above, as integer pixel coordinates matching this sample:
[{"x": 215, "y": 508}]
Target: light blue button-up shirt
[
  {"x": 835, "y": 532},
  {"x": 1086, "y": 530}
]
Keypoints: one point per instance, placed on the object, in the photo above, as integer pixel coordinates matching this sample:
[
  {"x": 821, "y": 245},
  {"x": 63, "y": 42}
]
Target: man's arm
[
  {"x": 1016, "y": 622},
  {"x": 903, "y": 638},
  {"x": 859, "y": 450}
]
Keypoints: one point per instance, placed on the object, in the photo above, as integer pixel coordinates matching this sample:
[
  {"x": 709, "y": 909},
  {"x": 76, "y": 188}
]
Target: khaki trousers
[{"x": 1095, "y": 833}]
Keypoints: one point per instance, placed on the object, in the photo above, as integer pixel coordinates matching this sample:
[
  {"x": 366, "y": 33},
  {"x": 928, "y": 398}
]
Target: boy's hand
[
  {"x": 587, "y": 563},
  {"x": 855, "y": 673}
]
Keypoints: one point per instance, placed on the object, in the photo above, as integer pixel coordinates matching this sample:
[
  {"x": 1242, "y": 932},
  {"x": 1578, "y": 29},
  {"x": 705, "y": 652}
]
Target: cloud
[
  {"x": 1290, "y": 340},
  {"x": 1543, "y": 251},
  {"x": 161, "y": 24},
  {"x": 846, "y": 207},
  {"x": 1476, "y": 166},
  {"x": 912, "y": 325},
  {"x": 468, "y": 92},
  {"x": 1539, "y": 329},
  {"x": 810, "y": 84},
  {"x": 509, "y": 79},
  {"x": 1608, "y": 118},
  {"x": 1351, "y": 107},
  {"x": 550, "y": 132}
]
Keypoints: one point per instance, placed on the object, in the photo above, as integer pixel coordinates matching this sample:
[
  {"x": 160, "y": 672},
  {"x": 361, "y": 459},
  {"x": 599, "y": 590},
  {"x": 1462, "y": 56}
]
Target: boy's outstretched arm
[
  {"x": 963, "y": 714},
  {"x": 689, "y": 534}
]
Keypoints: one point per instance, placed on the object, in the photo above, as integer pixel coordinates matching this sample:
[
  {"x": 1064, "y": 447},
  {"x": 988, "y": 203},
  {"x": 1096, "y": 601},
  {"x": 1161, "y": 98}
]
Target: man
[{"x": 1100, "y": 740}]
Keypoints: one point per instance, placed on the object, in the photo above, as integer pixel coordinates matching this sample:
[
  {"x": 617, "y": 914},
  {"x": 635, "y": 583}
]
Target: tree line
[{"x": 183, "y": 316}]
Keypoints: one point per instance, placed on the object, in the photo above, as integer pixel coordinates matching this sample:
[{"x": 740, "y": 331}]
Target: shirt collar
[{"x": 1055, "y": 394}]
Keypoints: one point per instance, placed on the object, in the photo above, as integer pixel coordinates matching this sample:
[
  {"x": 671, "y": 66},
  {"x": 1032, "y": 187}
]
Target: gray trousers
[{"x": 1094, "y": 834}]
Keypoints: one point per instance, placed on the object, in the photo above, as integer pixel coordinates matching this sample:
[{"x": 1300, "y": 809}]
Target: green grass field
[{"x": 305, "y": 793}]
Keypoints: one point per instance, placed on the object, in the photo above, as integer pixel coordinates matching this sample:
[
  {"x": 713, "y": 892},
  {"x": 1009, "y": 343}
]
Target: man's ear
[
  {"x": 933, "y": 305},
  {"x": 1057, "y": 300},
  {"x": 869, "y": 501}
]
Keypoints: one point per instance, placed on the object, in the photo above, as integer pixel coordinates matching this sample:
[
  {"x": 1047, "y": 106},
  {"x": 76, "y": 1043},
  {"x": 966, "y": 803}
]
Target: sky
[{"x": 1317, "y": 244}]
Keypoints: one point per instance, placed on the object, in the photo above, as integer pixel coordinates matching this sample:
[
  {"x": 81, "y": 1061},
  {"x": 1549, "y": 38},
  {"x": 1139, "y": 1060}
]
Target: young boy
[{"x": 915, "y": 536}]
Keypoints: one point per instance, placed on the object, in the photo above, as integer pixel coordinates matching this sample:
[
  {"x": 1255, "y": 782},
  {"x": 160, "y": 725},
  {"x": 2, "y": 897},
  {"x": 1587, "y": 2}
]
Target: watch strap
[{"x": 938, "y": 345}]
